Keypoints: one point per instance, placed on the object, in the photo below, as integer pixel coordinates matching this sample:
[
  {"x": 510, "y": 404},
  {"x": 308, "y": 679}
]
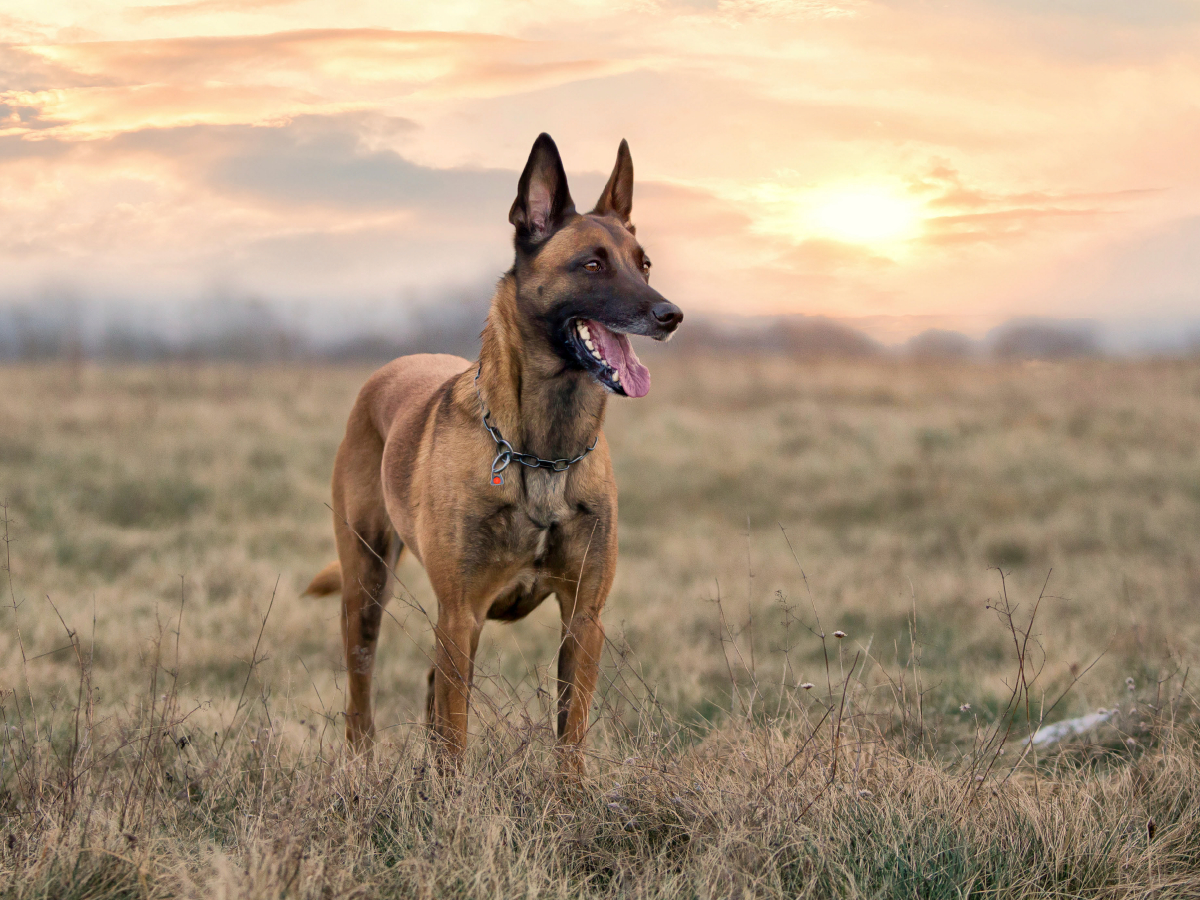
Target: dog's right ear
[{"x": 543, "y": 200}]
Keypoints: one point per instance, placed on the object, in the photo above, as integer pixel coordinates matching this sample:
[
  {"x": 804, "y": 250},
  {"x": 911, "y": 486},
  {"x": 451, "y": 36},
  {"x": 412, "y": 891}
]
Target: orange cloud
[
  {"x": 203, "y": 6},
  {"x": 127, "y": 85}
]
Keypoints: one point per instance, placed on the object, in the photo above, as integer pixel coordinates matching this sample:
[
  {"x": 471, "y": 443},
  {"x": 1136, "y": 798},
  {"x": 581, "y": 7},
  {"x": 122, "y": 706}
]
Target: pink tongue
[{"x": 615, "y": 348}]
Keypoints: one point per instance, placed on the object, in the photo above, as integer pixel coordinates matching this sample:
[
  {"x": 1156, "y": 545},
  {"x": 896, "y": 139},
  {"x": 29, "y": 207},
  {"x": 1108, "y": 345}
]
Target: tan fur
[
  {"x": 327, "y": 581},
  {"x": 414, "y": 471}
]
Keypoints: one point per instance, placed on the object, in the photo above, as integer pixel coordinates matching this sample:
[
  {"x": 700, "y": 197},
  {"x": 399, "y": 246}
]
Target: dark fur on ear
[
  {"x": 543, "y": 200},
  {"x": 617, "y": 197}
]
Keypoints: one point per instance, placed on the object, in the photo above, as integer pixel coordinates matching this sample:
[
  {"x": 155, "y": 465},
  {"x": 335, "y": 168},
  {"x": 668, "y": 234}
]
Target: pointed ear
[
  {"x": 617, "y": 197},
  {"x": 543, "y": 200}
]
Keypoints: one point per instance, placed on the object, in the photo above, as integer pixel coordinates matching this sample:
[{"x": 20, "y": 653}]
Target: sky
[{"x": 889, "y": 161}]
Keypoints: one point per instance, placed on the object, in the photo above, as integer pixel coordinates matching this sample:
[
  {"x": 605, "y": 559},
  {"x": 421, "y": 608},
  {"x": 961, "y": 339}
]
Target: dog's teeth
[
  {"x": 589, "y": 344},
  {"x": 616, "y": 376}
]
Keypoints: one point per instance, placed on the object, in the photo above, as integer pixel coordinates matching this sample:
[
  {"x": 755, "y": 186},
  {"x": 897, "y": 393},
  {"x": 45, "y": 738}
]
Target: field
[{"x": 1000, "y": 545}]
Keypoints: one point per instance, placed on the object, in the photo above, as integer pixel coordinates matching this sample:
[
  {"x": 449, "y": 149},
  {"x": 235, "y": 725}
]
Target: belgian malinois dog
[{"x": 496, "y": 474}]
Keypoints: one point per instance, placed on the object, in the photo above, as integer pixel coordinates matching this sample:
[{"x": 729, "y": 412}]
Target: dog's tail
[{"x": 328, "y": 581}]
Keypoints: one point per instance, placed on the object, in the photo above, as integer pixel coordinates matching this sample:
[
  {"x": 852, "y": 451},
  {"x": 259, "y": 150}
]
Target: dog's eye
[
  {"x": 592, "y": 265},
  {"x": 646, "y": 265}
]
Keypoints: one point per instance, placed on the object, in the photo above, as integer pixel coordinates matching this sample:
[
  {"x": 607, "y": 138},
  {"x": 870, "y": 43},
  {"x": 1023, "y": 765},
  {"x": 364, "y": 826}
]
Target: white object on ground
[{"x": 1052, "y": 734}]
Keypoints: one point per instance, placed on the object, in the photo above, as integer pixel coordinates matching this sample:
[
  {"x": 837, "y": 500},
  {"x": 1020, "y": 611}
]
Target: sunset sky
[{"x": 953, "y": 162}]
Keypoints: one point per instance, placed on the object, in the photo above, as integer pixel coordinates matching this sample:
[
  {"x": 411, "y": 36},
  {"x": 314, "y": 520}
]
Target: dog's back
[
  {"x": 390, "y": 409},
  {"x": 395, "y": 397}
]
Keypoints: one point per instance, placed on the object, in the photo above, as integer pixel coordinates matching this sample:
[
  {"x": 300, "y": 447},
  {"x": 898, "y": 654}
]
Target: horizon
[{"x": 248, "y": 328}]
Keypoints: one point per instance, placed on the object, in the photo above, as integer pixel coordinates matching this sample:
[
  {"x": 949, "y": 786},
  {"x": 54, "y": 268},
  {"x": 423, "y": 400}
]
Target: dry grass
[{"x": 176, "y": 730}]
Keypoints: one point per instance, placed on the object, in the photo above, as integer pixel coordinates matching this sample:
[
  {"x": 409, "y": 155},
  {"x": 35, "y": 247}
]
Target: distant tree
[
  {"x": 1045, "y": 339},
  {"x": 820, "y": 337},
  {"x": 806, "y": 337},
  {"x": 938, "y": 343}
]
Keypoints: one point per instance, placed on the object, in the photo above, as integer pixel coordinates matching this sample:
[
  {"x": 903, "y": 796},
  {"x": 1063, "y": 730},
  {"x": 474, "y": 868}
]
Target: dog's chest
[
  {"x": 530, "y": 531},
  {"x": 545, "y": 501}
]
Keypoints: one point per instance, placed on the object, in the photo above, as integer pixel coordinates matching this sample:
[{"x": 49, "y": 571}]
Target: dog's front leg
[
  {"x": 457, "y": 640},
  {"x": 582, "y": 591},
  {"x": 578, "y": 665}
]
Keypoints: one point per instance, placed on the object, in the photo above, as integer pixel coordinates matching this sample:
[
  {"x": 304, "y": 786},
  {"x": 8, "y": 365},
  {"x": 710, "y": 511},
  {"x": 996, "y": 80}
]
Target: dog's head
[{"x": 584, "y": 279}]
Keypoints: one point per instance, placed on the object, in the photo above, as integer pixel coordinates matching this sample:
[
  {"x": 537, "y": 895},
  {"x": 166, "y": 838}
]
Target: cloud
[
  {"x": 24, "y": 70},
  {"x": 355, "y": 53},
  {"x": 116, "y": 86},
  {"x": 23, "y": 119},
  {"x": 1002, "y": 225},
  {"x": 788, "y": 9},
  {"x": 1155, "y": 14},
  {"x": 966, "y": 214},
  {"x": 322, "y": 161},
  {"x": 307, "y": 208},
  {"x": 203, "y": 6}
]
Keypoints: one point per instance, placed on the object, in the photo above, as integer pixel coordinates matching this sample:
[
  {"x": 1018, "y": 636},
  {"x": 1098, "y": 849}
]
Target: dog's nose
[{"x": 667, "y": 314}]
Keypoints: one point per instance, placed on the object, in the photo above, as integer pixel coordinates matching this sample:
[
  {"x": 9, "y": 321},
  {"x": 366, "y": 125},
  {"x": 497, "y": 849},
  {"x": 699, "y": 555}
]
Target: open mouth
[{"x": 609, "y": 357}]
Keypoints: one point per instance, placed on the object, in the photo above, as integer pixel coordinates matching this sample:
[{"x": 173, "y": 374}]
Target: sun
[{"x": 862, "y": 215}]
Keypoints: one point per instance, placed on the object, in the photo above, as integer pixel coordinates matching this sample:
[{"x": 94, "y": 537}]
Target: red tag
[{"x": 496, "y": 479}]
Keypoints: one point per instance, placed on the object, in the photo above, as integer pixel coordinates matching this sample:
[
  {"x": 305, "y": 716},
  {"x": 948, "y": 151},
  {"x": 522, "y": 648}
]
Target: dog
[{"x": 495, "y": 474}]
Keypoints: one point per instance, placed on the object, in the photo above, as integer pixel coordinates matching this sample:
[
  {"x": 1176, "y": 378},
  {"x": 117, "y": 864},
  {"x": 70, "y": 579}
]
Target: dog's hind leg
[
  {"x": 364, "y": 595},
  {"x": 368, "y": 549}
]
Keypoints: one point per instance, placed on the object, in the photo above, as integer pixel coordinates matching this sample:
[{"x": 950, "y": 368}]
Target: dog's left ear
[
  {"x": 617, "y": 197},
  {"x": 543, "y": 200}
]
